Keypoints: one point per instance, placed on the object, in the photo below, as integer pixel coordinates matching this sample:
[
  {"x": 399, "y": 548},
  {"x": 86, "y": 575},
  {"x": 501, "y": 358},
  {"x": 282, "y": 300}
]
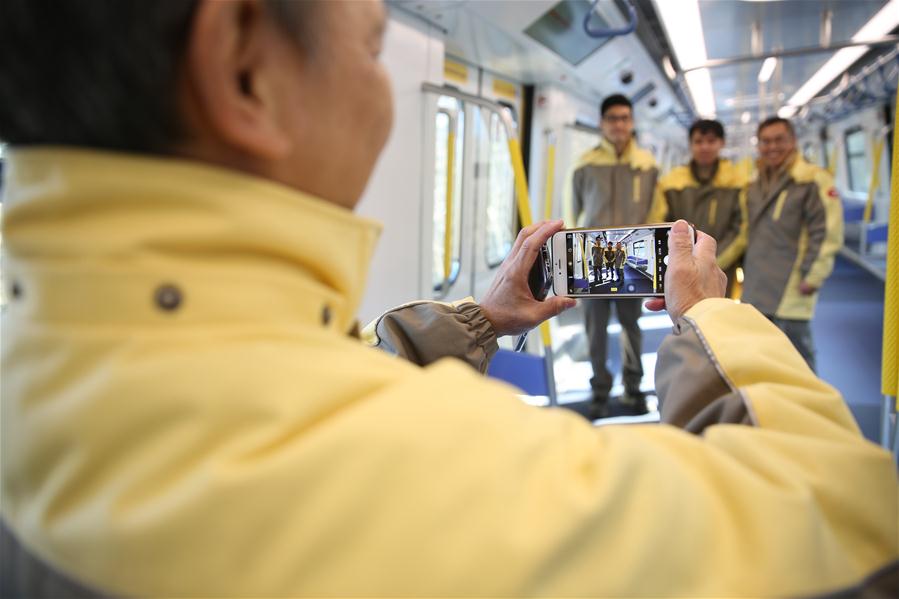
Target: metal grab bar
[{"x": 630, "y": 27}]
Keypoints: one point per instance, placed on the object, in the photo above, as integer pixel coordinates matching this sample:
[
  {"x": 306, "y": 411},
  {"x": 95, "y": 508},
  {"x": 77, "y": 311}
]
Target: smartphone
[
  {"x": 540, "y": 276},
  {"x": 611, "y": 261}
]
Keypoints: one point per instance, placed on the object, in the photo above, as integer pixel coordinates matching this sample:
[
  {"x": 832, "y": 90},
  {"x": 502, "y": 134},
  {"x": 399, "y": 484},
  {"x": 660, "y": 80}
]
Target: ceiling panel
[{"x": 788, "y": 24}]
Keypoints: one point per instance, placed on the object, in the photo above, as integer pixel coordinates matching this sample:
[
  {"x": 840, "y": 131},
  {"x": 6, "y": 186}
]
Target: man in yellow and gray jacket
[
  {"x": 188, "y": 412},
  {"x": 795, "y": 222},
  {"x": 613, "y": 185},
  {"x": 707, "y": 193}
]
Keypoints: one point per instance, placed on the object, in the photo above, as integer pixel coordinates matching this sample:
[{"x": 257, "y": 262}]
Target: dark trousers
[
  {"x": 631, "y": 341},
  {"x": 619, "y": 272},
  {"x": 799, "y": 333}
]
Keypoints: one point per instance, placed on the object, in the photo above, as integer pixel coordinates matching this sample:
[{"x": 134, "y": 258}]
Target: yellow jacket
[
  {"x": 716, "y": 207},
  {"x": 184, "y": 414}
]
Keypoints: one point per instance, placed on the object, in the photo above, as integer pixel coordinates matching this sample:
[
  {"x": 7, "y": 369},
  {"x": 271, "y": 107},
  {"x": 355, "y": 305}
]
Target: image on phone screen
[{"x": 621, "y": 261}]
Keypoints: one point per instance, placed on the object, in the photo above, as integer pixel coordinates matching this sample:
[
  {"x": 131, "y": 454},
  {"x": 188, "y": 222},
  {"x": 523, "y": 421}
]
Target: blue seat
[{"x": 525, "y": 371}]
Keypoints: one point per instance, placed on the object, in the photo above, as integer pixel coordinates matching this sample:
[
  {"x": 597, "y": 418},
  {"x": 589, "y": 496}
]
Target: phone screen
[{"x": 620, "y": 261}]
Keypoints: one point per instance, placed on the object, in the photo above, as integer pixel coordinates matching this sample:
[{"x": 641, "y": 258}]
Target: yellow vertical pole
[
  {"x": 875, "y": 180},
  {"x": 890, "y": 371},
  {"x": 524, "y": 210},
  {"x": 550, "y": 172},
  {"x": 448, "y": 228}
]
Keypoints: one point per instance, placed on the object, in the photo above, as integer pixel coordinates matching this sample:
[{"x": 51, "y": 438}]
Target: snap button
[
  {"x": 15, "y": 291},
  {"x": 326, "y": 315},
  {"x": 168, "y": 297}
]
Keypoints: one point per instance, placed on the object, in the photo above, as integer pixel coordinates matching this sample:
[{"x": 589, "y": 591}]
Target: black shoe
[
  {"x": 635, "y": 401},
  {"x": 599, "y": 408}
]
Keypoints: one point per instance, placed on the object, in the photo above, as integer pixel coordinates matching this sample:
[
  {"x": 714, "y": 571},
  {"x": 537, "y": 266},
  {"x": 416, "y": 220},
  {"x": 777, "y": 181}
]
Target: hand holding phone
[
  {"x": 509, "y": 304},
  {"x": 693, "y": 274}
]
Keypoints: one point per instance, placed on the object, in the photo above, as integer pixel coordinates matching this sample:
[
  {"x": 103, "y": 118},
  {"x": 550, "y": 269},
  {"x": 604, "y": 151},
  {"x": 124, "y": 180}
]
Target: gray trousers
[
  {"x": 800, "y": 334},
  {"x": 631, "y": 341}
]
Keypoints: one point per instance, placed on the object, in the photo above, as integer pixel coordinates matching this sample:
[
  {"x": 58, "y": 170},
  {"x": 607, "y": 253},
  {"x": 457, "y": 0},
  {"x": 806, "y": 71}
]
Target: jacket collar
[
  {"x": 605, "y": 155},
  {"x": 105, "y": 229}
]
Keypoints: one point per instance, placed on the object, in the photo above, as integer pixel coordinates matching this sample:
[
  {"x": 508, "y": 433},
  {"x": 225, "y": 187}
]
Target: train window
[
  {"x": 449, "y": 129},
  {"x": 856, "y": 160},
  {"x": 501, "y": 214}
]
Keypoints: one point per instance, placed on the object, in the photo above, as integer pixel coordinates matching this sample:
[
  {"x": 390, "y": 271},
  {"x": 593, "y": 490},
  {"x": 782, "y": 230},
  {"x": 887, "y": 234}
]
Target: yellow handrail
[
  {"x": 448, "y": 228},
  {"x": 550, "y": 173},
  {"x": 875, "y": 180},
  {"x": 524, "y": 210},
  {"x": 832, "y": 160},
  {"x": 890, "y": 370}
]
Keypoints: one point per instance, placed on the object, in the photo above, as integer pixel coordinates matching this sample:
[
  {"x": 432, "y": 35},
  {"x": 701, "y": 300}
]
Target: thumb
[
  {"x": 554, "y": 306},
  {"x": 680, "y": 241}
]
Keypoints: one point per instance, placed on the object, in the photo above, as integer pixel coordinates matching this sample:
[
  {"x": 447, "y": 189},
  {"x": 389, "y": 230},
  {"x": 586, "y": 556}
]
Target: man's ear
[{"x": 230, "y": 84}]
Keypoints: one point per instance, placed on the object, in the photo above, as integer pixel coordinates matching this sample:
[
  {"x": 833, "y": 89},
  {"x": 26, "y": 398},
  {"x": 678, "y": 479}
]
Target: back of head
[
  {"x": 101, "y": 73},
  {"x": 97, "y": 73}
]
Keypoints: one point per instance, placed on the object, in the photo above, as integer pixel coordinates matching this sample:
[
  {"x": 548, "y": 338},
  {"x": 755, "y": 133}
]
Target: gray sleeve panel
[
  {"x": 815, "y": 216},
  {"x": 693, "y": 390},
  {"x": 426, "y": 332}
]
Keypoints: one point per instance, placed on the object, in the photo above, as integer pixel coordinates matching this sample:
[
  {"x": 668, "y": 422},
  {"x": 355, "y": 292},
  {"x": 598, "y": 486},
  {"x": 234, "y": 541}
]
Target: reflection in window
[
  {"x": 856, "y": 161},
  {"x": 500, "y": 194},
  {"x": 450, "y": 119}
]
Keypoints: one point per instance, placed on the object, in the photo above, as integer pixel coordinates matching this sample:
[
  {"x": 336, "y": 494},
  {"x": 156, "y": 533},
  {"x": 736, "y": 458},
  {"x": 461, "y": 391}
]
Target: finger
[
  {"x": 522, "y": 235},
  {"x": 555, "y": 306},
  {"x": 656, "y": 305},
  {"x": 680, "y": 242},
  {"x": 706, "y": 247},
  {"x": 530, "y": 246}
]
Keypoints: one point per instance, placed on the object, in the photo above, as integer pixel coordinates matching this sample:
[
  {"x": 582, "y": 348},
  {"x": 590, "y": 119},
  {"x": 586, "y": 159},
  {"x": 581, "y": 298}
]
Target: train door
[{"x": 470, "y": 219}]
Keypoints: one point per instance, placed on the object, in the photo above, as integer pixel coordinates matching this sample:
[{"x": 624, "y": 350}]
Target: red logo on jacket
[{"x": 832, "y": 192}]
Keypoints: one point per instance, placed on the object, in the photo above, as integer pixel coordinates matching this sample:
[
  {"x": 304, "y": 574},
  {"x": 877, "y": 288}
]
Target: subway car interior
[
  {"x": 471, "y": 76},
  {"x": 502, "y": 111}
]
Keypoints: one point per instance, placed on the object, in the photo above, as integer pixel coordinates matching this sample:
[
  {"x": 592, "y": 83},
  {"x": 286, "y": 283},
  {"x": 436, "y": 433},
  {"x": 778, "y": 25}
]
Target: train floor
[
  {"x": 847, "y": 329},
  {"x": 634, "y": 282}
]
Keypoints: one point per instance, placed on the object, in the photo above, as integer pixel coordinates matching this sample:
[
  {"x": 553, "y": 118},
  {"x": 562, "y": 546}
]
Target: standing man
[
  {"x": 795, "y": 229},
  {"x": 612, "y": 186},
  {"x": 608, "y": 256},
  {"x": 598, "y": 253},
  {"x": 620, "y": 259},
  {"x": 707, "y": 193}
]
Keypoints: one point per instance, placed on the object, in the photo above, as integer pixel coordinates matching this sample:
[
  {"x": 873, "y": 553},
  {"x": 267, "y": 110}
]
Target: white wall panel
[{"x": 413, "y": 54}]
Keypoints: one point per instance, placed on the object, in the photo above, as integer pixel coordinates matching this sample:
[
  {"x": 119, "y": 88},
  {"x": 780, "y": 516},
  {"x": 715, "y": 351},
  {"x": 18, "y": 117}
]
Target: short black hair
[
  {"x": 97, "y": 73},
  {"x": 775, "y": 120},
  {"x": 705, "y": 126},
  {"x": 614, "y": 100}
]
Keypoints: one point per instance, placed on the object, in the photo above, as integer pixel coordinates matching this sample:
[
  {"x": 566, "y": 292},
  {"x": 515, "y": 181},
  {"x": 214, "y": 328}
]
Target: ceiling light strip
[{"x": 683, "y": 24}]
